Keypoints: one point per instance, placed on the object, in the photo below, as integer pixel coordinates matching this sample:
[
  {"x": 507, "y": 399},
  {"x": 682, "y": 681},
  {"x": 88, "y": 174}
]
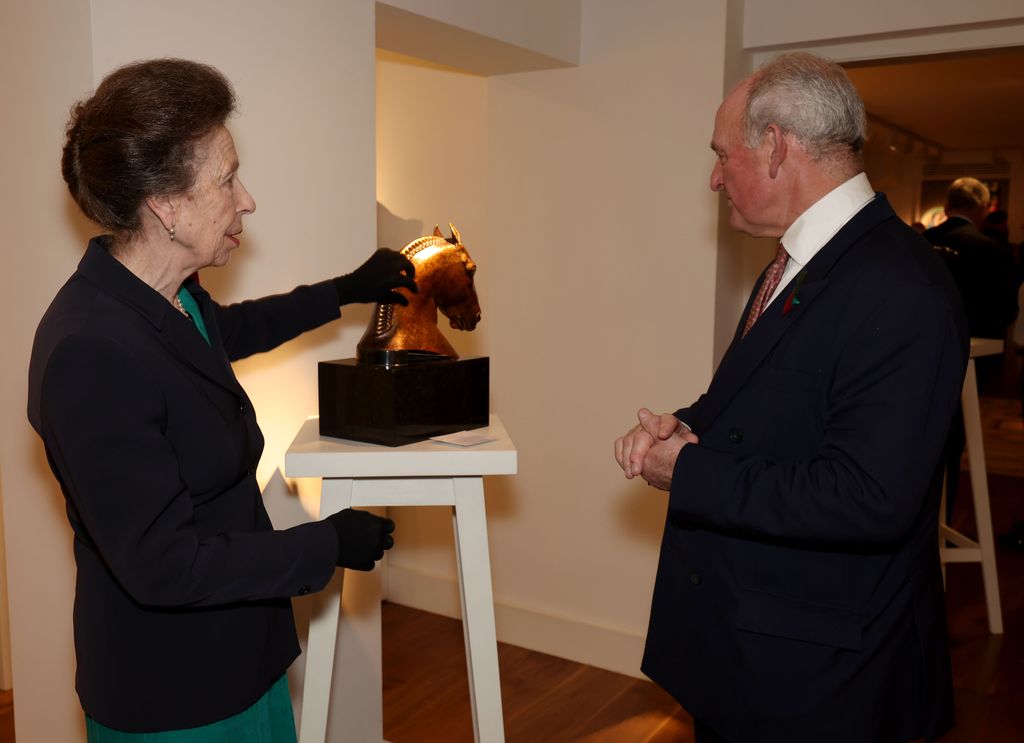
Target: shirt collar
[{"x": 825, "y": 217}]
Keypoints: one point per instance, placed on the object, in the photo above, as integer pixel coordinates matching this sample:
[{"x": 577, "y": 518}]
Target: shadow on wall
[{"x": 395, "y": 232}]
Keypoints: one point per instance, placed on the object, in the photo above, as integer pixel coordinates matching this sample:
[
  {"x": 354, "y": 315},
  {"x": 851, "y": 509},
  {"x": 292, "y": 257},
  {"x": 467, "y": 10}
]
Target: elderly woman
[{"x": 183, "y": 623}]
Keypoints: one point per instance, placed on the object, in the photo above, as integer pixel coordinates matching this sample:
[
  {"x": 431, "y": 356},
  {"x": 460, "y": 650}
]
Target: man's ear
[
  {"x": 164, "y": 209},
  {"x": 778, "y": 148}
]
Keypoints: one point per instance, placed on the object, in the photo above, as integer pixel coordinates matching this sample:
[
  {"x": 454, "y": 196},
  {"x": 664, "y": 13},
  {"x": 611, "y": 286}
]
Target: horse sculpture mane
[{"x": 444, "y": 276}]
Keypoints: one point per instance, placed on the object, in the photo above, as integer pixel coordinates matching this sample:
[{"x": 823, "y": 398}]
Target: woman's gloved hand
[
  {"x": 362, "y": 537},
  {"x": 375, "y": 280}
]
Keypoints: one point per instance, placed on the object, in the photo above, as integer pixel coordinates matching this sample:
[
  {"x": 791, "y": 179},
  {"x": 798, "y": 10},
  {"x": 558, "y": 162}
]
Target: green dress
[
  {"x": 190, "y": 305},
  {"x": 269, "y": 720}
]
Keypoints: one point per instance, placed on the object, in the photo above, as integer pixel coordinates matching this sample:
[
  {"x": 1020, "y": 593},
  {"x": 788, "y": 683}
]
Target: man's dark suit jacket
[
  {"x": 984, "y": 272},
  {"x": 799, "y": 596},
  {"x": 182, "y": 611}
]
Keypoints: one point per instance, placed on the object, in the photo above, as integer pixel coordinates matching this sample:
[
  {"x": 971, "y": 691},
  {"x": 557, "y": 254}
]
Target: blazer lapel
[
  {"x": 745, "y": 355},
  {"x": 174, "y": 331},
  {"x": 183, "y": 339}
]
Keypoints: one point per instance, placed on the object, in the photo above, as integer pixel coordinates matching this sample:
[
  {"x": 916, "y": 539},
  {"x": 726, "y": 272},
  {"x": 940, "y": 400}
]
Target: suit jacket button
[
  {"x": 695, "y": 578},
  {"x": 304, "y": 590},
  {"x": 735, "y": 435},
  {"x": 241, "y": 408}
]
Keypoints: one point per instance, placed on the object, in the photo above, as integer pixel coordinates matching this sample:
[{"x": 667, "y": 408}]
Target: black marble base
[{"x": 395, "y": 405}]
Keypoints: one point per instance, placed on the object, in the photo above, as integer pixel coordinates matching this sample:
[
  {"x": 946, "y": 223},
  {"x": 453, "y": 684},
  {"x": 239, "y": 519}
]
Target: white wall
[
  {"x": 604, "y": 234},
  {"x": 432, "y": 168},
  {"x": 43, "y": 247},
  {"x": 596, "y": 277},
  {"x": 304, "y": 74},
  {"x": 879, "y": 29},
  {"x": 788, "y": 22},
  {"x": 546, "y": 27}
]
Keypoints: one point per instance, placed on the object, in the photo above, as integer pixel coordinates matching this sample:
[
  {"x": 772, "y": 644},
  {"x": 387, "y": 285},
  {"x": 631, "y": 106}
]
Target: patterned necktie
[{"x": 771, "y": 281}]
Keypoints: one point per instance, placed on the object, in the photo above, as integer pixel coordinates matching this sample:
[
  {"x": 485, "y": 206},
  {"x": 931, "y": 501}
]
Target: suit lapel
[{"x": 745, "y": 355}]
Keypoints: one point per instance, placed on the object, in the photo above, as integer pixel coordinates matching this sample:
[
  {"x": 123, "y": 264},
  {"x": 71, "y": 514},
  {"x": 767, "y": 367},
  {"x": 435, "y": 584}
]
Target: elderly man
[{"x": 799, "y": 596}]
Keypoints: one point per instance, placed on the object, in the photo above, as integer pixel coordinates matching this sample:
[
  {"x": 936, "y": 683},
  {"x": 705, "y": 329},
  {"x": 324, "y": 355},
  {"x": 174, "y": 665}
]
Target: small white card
[{"x": 464, "y": 438}]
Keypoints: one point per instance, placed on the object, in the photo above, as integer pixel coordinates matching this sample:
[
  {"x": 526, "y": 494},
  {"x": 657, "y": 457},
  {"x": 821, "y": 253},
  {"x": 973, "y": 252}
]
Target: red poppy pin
[{"x": 794, "y": 296}]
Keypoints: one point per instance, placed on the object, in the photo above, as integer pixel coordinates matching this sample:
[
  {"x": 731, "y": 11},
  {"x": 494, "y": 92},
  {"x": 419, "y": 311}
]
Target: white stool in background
[
  {"x": 965, "y": 549},
  {"x": 426, "y": 473}
]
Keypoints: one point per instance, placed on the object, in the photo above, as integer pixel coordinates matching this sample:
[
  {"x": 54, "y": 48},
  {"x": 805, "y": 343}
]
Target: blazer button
[
  {"x": 241, "y": 408},
  {"x": 735, "y": 435},
  {"x": 304, "y": 590},
  {"x": 251, "y": 471},
  {"x": 695, "y": 578}
]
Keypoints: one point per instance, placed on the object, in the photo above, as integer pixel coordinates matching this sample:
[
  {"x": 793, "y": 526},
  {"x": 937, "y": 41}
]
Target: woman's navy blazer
[{"x": 182, "y": 613}]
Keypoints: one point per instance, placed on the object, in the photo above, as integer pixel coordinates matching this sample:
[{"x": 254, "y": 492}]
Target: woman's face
[{"x": 209, "y": 216}]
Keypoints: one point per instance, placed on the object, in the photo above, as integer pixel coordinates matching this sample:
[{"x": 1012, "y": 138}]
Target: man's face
[{"x": 741, "y": 173}]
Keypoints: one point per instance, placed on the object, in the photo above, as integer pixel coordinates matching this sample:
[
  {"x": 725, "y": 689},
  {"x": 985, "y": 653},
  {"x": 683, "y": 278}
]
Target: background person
[
  {"x": 183, "y": 622},
  {"x": 982, "y": 267},
  {"x": 985, "y": 274},
  {"x": 798, "y": 596}
]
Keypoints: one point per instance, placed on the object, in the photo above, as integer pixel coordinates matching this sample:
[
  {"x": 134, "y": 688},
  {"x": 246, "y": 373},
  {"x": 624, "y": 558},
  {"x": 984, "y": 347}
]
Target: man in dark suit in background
[
  {"x": 983, "y": 268},
  {"x": 985, "y": 274},
  {"x": 799, "y": 595}
]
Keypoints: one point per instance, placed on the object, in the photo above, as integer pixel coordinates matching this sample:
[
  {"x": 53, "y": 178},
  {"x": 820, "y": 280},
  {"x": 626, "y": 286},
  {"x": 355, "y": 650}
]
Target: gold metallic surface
[{"x": 444, "y": 276}]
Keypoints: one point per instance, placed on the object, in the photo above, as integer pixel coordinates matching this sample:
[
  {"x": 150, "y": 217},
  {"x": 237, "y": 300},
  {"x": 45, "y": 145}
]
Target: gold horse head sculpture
[{"x": 444, "y": 276}]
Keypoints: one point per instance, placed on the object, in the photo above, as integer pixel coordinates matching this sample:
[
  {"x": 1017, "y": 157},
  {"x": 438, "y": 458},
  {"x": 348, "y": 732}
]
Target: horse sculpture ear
[
  {"x": 455, "y": 233},
  {"x": 437, "y": 232}
]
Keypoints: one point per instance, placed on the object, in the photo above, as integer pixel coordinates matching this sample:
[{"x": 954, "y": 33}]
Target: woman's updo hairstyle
[{"x": 136, "y": 137}]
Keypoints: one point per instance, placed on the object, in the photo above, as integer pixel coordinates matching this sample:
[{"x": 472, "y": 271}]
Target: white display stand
[
  {"x": 965, "y": 549},
  {"x": 426, "y": 473}
]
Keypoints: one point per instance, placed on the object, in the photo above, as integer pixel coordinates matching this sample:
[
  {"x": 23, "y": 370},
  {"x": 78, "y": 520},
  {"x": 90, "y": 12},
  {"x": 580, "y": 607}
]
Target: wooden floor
[
  {"x": 546, "y": 699},
  {"x": 426, "y": 698},
  {"x": 1003, "y": 432}
]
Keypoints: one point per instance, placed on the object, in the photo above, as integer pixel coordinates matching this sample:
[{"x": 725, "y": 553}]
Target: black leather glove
[
  {"x": 374, "y": 280},
  {"x": 362, "y": 537}
]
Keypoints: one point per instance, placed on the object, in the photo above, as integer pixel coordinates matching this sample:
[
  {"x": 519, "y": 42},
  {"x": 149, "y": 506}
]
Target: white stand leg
[
  {"x": 357, "y": 709},
  {"x": 474, "y": 563},
  {"x": 345, "y": 632},
  {"x": 357, "y": 700},
  {"x": 979, "y": 491},
  {"x": 964, "y": 549}
]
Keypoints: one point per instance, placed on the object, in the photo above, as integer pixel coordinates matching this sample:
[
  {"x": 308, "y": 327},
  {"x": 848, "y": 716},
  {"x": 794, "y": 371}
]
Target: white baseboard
[{"x": 565, "y": 637}]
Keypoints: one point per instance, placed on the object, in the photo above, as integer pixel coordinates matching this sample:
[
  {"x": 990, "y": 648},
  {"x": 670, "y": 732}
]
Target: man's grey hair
[{"x": 811, "y": 98}]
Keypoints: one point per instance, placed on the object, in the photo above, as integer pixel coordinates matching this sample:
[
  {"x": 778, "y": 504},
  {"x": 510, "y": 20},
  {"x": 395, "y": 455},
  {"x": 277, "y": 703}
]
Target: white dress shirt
[{"x": 819, "y": 224}]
